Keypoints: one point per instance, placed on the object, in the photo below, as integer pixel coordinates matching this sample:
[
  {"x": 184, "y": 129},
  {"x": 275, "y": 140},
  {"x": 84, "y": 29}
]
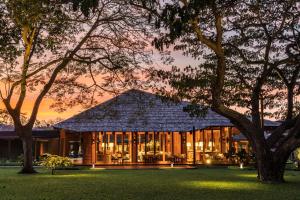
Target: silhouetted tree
[
  {"x": 247, "y": 51},
  {"x": 48, "y": 46}
]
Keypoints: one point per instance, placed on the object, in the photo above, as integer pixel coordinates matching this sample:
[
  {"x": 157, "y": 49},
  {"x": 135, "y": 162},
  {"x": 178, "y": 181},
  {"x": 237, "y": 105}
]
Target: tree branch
[{"x": 61, "y": 66}]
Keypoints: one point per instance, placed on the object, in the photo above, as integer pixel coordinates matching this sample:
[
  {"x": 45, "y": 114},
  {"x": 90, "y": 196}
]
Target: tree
[
  {"x": 246, "y": 51},
  {"x": 6, "y": 119},
  {"x": 47, "y": 46}
]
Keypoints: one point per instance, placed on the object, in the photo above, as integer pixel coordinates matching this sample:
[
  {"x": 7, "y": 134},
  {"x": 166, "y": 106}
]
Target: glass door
[
  {"x": 100, "y": 147},
  {"x": 113, "y": 147}
]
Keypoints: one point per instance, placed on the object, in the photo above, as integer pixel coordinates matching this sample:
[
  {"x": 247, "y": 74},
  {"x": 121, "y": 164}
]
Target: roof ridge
[{"x": 106, "y": 102}]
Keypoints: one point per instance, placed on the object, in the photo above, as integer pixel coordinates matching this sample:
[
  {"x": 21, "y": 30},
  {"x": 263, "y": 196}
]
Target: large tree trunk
[
  {"x": 27, "y": 152},
  {"x": 269, "y": 172},
  {"x": 269, "y": 168}
]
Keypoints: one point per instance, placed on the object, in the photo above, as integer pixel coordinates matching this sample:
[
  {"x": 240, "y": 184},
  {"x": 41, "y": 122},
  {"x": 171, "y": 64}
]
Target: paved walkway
[
  {"x": 119, "y": 167},
  {"x": 126, "y": 167}
]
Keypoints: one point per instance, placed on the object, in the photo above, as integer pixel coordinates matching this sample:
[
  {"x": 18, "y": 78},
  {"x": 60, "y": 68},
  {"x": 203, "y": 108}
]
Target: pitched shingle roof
[
  {"x": 239, "y": 137},
  {"x": 4, "y": 127},
  {"x": 137, "y": 110},
  {"x": 8, "y": 132}
]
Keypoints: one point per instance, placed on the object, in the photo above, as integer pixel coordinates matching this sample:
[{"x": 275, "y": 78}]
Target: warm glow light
[
  {"x": 241, "y": 165},
  {"x": 208, "y": 161},
  {"x": 220, "y": 155},
  {"x": 188, "y": 144},
  {"x": 201, "y": 144},
  {"x": 111, "y": 145}
]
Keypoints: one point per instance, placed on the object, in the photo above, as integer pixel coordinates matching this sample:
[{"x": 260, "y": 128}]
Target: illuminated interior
[{"x": 206, "y": 146}]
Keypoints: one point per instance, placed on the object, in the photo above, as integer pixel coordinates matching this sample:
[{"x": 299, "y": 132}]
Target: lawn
[{"x": 144, "y": 184}]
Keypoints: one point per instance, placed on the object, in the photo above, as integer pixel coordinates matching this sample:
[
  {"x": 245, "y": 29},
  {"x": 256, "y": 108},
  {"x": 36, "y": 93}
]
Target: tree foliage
[
  {"x": 85, "y": 6},
  {"x": 72, "y": 51},
  {"x": 248, "y": 53}
]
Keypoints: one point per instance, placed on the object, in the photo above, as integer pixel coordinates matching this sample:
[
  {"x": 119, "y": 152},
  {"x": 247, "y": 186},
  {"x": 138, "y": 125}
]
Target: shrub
[
  {"x": 297, "y": 158},
  {"x": 20, "y": 160},
  {"x": 242, "y": 156},
  {"x": 54, "y": 162},
  {"x": 231, "y": 154}
]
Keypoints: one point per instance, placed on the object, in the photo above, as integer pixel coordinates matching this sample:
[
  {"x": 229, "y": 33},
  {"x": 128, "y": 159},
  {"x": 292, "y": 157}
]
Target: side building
[{"x": 45, "y": 140}]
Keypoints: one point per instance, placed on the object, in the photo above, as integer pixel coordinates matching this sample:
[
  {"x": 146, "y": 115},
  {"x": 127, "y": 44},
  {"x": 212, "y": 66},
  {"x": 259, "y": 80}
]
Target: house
[
  {"x": 45, "y": 140},
  {"x": 138, "y": 127}
]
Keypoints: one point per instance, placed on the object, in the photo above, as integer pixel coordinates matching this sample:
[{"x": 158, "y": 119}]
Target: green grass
[{"x": 144, "y": 184}]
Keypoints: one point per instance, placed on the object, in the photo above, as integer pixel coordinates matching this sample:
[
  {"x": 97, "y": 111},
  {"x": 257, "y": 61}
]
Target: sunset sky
[{"x": 45, "y": 113}]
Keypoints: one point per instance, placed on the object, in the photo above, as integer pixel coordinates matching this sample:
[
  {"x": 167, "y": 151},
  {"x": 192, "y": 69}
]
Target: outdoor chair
[{"x": 114, "y": 159}]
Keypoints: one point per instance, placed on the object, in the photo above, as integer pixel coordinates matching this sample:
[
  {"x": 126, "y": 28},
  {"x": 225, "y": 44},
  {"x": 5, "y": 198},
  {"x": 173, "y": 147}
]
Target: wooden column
[
  {"x": 200, "y": 151},
  {"x": 129, "y": 146},
  {"x": 212, "y": 140},
  {"x": 87, "y": 148},
  {"x": 81, "y": 143},
  {"x": 41, "y": 148},
  {"x": 123, "y": 136},
  {"x": 136, "y": 146},
  {"x": 194, "y": 146},
  {"x": 132, "y": 146},
  {"x": 59, "y": 147},
  {"x": 146, "y": 142},
  {"x": 35, "y": 146},
  {"x": 9, "y": 149},
  {"x": 62, "y": 143},
  {"x": 204, "y": 142},
  {"x": 93, "y": 148},
  {"x": 172, "y": 143},
  {"x": 230, "y": 138},
  {"x": 221, "y": 139},
  {"x": 183, "y": 143},
  {"x": 166, "y": 140},
  {"x": 164, "y": 146},
  {"x": 114, "y": 147},
  {"x": 154, "y": 143},
  {"x": 104, "y": 146}
]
